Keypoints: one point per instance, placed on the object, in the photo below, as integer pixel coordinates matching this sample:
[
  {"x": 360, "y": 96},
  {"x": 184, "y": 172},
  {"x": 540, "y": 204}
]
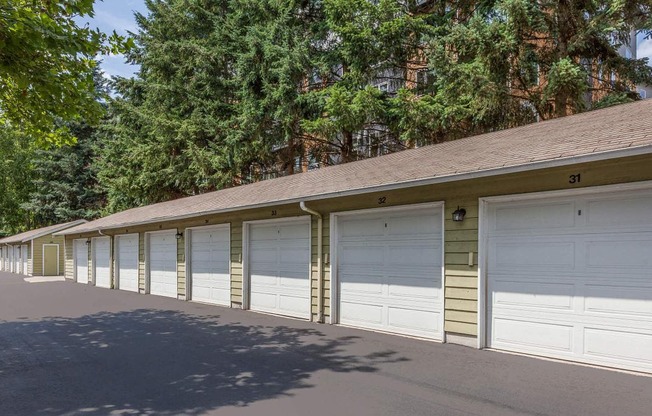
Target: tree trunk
[{"x": 347, "y": 146}]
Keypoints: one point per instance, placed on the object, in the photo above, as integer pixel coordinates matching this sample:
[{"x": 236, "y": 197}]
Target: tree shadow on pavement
[{"x": 161, "y": 362}]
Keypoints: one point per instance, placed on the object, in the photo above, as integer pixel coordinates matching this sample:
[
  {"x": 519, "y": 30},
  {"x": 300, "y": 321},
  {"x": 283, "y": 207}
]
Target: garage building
[
  {"x": 36, "y": 252},
  {"x": 535, "y": 240}
]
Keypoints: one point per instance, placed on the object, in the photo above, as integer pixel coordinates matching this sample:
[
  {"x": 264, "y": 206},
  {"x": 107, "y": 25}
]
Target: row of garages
[
  {"x": 36, "y": 252},
  {"x": 566, "y": 274},
  {"x": 548, "y": 256},
  {"x": 14, "y": 258}
]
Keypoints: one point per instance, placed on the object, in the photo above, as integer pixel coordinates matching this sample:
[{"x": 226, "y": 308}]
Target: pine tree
[
  {"x": 16, "y": 174},
  {"x": 65, "y": 185}
]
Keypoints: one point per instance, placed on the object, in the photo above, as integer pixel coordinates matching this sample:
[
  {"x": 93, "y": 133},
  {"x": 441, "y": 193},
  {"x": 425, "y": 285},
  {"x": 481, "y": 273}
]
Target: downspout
[{"x": 320, "y": 269}]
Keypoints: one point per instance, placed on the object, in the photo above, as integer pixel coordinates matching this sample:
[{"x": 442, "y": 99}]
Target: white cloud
[
  {"x": 109, "y": 21},
  {"x": 115, "y": 65}
]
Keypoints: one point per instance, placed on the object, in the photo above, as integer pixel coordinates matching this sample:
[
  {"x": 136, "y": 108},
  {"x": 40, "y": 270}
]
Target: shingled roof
[
  {"x": 619, "y": 131},
  {"x": 39, "y": 232}
]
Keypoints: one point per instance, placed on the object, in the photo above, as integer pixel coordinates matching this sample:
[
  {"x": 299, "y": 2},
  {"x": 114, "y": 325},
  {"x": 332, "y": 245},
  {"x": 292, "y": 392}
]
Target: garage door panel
[
  {"x": 538, "y": 255},
  {"x": 359, "y": 283},
  {"x": 298, "y": 281},
  {"x": 630, "y": 253},
  {"x": 353, "y": 254},
  {"x": 406, "y": 255},
  {"x": 296, "y": 304},
  {"x": 539, "y": 335},
  {"x": 361, "y": 228},
  {"x": 356, "y": 313},
  {"x": 294, "y": 234},
  {"x": 413, "y": 321},
  {"x": 534, "y": 216},
  {"x": 617, "y": 346},
  {"x": 263, "y": 254},
  {"x": 212, "y": 294},
  {"x": 265, "y": 302},
  {"x": 532, "y": 294},
  {"x": 414, "y": 225},
  {"x": 294, "y": 254},
  {"x": 411, "y": 288},
  {"x": 621, "y": 211},
  {"x": 619, "y": 300},
  {"x": 261, "y": 234}
]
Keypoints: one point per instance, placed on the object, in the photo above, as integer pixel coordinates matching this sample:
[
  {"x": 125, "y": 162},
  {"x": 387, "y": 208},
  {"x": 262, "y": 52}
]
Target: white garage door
[
  {"x": 23, "y": 249},
  {"x": 279, "y": 267},
  {"x": 210, "y": 278},
  {"x": 101, "y": 251},
  {"x": 17, "y": 259},
  {"x": 389, "y": 268},
  {"x": 127, "y": 262},
  {"x": 81, "y": 260},
  {"x": 570, "y": 278},
  {"x": 12, "y": 255},
  {"x": 162, "y": 265}
]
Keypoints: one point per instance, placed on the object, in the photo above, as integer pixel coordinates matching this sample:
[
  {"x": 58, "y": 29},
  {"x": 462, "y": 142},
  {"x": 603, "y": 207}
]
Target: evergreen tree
[
  {"x": 519, "y": 61},
  {"x": 65, "y": 186},
  {"x": 16, "y": 175},
  {"x": 166, "y": 135}
]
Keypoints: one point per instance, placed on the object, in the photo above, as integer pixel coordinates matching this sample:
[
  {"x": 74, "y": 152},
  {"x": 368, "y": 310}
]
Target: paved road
[{"x": 70, "y": 349}]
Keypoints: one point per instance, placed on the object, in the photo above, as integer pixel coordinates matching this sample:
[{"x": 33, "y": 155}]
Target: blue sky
[{"x": 118, "y": 15}]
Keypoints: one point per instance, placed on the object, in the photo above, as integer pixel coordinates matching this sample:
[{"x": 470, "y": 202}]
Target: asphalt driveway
[{"x": 71, "y": 349}]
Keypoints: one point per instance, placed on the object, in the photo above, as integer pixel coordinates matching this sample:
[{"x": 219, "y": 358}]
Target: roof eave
[
  {"x": 56, "y": 230},
  {"x": 544, "y": 164}
]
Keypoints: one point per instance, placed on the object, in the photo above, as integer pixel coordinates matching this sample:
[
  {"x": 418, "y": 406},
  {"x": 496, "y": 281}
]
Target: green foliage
[
  {"x": 232, "y": 91},
  {"x": 64, "y": 181},
  {"x": 16, "y": 173},
  {"x": 46, "y": 67}
]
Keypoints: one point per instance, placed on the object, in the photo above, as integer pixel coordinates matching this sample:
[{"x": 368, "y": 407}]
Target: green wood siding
[
  {"x": 181, "y": 267},
  {"x": 37, "y": 261}
]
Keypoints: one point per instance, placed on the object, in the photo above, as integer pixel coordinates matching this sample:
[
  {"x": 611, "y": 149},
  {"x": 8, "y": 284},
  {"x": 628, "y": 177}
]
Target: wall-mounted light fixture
[
  {"x": 458, "y": 214},
  {"x": 88, "y": 241},
  {"x": 178, "y": 235}
]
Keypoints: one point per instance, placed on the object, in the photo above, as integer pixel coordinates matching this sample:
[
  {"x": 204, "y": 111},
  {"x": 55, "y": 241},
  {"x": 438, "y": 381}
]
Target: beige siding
[
  {"x": 37, "y": 261},
  {"x": 460, "y": 239},
  {"x": 69, "y": 265},
  {"x": 141, "y": 263},
  {"x": 236, "y": 263},
  {"x": 181, "y": 267}
]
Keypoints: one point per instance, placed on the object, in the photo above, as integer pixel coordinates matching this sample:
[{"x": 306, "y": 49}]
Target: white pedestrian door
[
  {"x": 81, "y": 260},
  {"x": 210, "y": 249},
  {"x": 101, "y": 247},
  {"x": 279, "y": 267},
  {"x": 25, "y": 262},
  {"x": 162, "y": 260},
  {"x": 127, "y": 262},
  {"x": 569, "y": 278},
  {"x": 389, "y": 267}
]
